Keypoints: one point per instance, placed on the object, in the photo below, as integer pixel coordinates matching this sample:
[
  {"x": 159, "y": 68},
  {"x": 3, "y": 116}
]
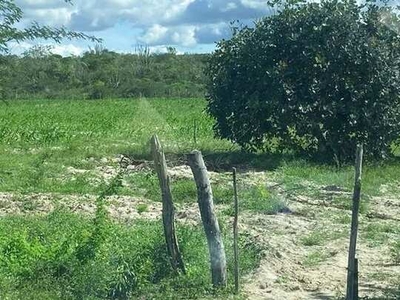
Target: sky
[{"x": 188, "y": 25}]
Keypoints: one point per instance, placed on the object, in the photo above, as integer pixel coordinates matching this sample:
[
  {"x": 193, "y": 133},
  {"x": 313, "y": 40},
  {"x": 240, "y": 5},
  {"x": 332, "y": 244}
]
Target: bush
[{"x": 315, "y": 78}]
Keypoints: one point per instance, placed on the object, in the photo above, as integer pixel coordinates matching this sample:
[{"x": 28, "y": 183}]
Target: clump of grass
[
  {"x": 343, "y": 218},
  {"x": 320, "y": 236},
  {"x": 142, "y": 207},
  {"x": 316, "y": 238},
  {"x": 377, "y": 233},
  {"x": 315, "y": 258},
  {"x": 395, "y": 252},
  {"x": 259, "y": 199},
  {"x": 29, "y": 205}
]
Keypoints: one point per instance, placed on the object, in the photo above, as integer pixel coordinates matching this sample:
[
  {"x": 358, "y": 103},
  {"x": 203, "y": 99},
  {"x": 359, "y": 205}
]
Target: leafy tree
[
  {"x": 316, "y": 78},
  {"x": 11, "y": 14}
]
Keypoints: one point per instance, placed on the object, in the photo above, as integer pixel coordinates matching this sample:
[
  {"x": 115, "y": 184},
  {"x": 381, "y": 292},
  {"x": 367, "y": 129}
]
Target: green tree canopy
[{"x": 314, "y": 77}]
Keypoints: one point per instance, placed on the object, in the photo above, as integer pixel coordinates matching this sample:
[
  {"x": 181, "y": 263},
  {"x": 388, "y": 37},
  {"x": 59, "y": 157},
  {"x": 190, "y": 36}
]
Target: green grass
[
  {"x": 315, "y": 258},
  {"x": 321, "y": 236},
  {"x": 141, "y": 208},
  {"x": 301, "y": 177},
  {"x": 44, "y": 261},
  {"x": 377, "y": 233},
  {"x": 259, "y": 198},
  {"x": 316, "y": 238},
  {"x": 39, "y": 139}
]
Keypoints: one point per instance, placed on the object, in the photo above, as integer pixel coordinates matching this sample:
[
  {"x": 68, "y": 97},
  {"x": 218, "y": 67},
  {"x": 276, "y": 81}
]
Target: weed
[
  {"x": 315, "y": 258},
  {"x": 142, "y": 207},
  {"x": 282, "y": 279},
  {"x": 316, "y": 238},
  {"x": 41, "y": 258}
]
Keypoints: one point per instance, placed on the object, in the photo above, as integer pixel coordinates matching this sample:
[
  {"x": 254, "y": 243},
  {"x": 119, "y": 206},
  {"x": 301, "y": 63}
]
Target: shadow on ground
[
  {"x": 392, "y": 293},
  {"x": 221, "y": 161}
]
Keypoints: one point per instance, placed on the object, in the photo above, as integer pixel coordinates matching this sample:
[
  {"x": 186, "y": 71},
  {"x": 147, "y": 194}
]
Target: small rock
[
  {"x": 263, "y": 286},
  {"x": 131, "y": 167}
]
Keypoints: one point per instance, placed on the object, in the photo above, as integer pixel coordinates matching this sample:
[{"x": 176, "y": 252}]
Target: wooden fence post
[
  {"x": 235, "y": 233},
  {"x": 351, "y": 291},
  {"x": 195, "y": 131},
  {"x": 168, "y": 210},
  {"x": 355, "y": 290},
  {"x": 209, "y": 219}
]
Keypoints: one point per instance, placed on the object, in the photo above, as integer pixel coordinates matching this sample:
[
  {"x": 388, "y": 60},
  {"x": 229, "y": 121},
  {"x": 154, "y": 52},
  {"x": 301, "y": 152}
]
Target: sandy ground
[{"x": 284, "y": 273}]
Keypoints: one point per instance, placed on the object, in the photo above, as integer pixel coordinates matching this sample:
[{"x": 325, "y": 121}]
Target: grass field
[{"x": 56, "y": 157}]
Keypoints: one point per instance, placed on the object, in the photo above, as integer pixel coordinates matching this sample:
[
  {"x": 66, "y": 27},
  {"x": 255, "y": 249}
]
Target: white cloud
[
  {"x": 255, "y": 4},
  {"x": 230, "y": 6},
  {"x": 60, "y": 49},
  {"x": 176, "y": 35},
  {"x": 183, "y": 23},
  {"x": 184, "y": 36},
  {"x": 19, "y": 48},
  {"x": 52, "y": 16},
  {"x": 67, "y": 50},
  {"x": 154, "y": 34}
]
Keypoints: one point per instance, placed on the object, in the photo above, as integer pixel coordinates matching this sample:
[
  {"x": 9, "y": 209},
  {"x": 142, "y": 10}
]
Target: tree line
[{"x": 100, "y": 73}]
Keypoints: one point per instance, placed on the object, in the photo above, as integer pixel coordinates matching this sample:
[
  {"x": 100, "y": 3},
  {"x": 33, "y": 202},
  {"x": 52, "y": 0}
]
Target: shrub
[{"x": 316, "y": 78}]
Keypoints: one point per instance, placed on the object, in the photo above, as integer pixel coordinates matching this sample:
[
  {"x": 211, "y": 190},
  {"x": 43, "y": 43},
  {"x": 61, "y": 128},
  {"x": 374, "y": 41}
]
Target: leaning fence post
[
  {"x": 209, "y": 219},
  {"x": 352, "y": 269},
  {"x": 168, "y": 210}
]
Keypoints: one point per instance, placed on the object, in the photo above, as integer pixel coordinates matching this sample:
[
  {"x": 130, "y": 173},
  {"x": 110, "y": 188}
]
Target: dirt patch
[
  {"x": 295, "y": 268},
  {"x": 122, "y": 208}
]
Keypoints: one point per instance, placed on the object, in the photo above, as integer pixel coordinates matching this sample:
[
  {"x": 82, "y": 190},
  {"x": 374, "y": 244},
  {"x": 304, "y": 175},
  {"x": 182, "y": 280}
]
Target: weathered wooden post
[
  {"x": 355, "y": 289},
  {"x": 209, "y": 219},
  {"x": 168, "y": 210},
  {"x": 235, "y": 232},
  {"x": 352, "y": 265}
]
